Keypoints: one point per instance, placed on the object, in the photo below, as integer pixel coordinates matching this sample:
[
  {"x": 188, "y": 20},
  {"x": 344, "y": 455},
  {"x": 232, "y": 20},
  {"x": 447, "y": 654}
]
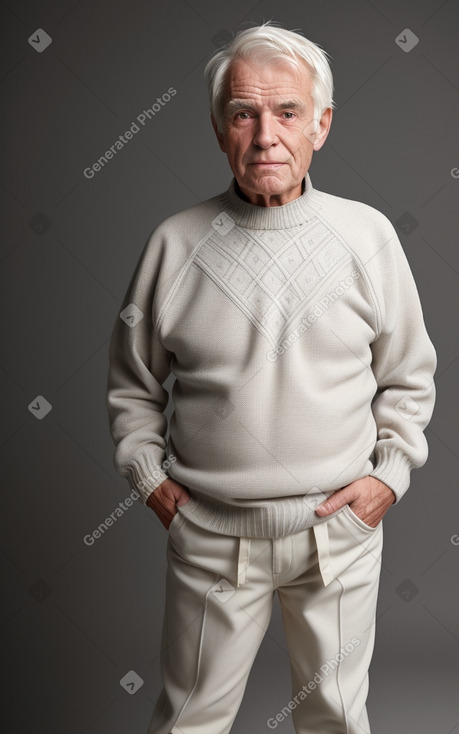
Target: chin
[{"x": 268, "y": 181}]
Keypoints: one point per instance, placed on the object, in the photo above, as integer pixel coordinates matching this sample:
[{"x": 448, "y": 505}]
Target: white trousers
[{"x": 219, "y": 596}]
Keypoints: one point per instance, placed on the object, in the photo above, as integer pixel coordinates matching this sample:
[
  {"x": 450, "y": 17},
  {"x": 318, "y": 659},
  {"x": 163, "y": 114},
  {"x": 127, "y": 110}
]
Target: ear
[
  {"x": 219, "y": 135},
  {"x": 323, "y": 128}
]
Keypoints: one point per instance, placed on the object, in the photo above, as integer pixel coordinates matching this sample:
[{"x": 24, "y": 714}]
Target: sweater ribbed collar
[{"x": 251, "y": 216}]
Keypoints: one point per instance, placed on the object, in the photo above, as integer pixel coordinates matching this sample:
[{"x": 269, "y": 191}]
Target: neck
[
  {"x": 267, "y": 200},
  {"x": 251, "y": 216}
]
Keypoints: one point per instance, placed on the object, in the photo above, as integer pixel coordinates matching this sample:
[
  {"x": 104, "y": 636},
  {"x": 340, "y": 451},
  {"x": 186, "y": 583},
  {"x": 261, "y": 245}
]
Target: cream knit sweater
[{"x": 301, "y": 358}]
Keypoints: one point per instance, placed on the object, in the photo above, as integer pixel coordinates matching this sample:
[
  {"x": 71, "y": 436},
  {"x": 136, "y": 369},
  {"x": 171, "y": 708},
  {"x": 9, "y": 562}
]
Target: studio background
[{"x": 77, "y": 619}]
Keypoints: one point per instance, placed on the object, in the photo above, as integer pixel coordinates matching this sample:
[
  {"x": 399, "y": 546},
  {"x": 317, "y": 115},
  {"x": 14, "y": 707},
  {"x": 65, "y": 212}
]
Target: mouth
[{"x": 267, "y": 164}]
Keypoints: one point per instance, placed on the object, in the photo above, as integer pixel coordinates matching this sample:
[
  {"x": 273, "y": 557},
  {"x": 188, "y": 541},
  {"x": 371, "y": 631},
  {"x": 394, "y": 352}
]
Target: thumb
[{"x": 335, "y": 502}]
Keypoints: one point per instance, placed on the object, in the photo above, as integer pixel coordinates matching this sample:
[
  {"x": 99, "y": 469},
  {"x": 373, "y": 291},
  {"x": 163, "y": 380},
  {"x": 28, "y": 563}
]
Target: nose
[{"x": 265, "y": 133}]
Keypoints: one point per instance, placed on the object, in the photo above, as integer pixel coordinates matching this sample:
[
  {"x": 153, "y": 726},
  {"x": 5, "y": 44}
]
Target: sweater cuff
[
  {"x": 393, "y": 468},
  {"x": 144, "y": 475}
]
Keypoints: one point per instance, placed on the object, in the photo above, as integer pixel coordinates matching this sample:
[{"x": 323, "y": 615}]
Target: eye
[
  {"x": 242, "y": 113},
  {"x": 289, "y": 113}
]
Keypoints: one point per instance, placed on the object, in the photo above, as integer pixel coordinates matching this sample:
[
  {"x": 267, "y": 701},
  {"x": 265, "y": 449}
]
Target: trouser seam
[
  {"x": 341, "y": 643},
  {"x": 198, "y": 661}
]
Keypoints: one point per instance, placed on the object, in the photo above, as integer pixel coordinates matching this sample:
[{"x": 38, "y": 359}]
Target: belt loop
[
  {"x": 243, "y": 560},
  {"x": 323, "y": 551}
]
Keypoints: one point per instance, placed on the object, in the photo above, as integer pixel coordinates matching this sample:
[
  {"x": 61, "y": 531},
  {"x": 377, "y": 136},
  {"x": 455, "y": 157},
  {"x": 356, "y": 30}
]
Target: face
[{"x": 268, "y": 133}]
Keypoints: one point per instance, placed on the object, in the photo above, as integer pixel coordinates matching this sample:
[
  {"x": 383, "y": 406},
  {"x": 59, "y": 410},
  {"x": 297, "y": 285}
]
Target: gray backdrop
[{"x": 78, "y": 619}]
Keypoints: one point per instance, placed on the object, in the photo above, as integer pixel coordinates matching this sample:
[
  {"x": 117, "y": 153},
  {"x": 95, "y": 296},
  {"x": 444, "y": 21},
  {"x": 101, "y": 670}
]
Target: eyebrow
[{"x": 237, "y": 104}]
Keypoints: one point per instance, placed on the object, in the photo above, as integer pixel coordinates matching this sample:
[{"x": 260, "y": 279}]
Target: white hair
[{"x": 266, "y": 44}]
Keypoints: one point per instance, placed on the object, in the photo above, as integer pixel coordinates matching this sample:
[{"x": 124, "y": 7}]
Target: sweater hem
[{"x": 271, "y": 519}]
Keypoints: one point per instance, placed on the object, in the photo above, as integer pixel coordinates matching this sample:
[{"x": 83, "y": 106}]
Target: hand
[
  {"x": 164, "y": 498},
  {"x": 368, "y": 497}
]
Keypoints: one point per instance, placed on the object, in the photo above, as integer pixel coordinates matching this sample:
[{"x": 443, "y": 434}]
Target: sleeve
[
  {"x": 403, "y": 362},
  {"x": 138, "y": 366}
]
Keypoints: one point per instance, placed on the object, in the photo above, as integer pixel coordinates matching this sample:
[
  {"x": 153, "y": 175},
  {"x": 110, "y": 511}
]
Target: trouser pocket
[
  {"x": 205, "y": 549},
  {"x": 345, "y": 541},
  {"x": 176, "y": 523}
]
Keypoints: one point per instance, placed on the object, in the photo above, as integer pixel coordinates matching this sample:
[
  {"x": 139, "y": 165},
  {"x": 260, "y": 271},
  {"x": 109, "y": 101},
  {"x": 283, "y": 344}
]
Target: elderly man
[{"x": 303, "y": 371}]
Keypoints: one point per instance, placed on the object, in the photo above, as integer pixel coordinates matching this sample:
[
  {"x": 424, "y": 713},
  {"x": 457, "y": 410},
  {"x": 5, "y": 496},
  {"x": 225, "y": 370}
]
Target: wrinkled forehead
[{"x": 250, "y": 79}]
